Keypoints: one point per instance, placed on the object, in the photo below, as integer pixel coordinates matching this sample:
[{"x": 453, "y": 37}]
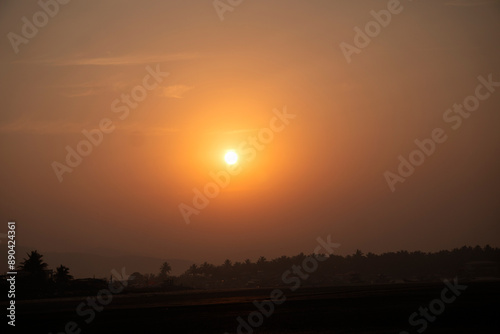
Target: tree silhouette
[
  {"x": 35, "y": 283},
  {"x": 62, "y": 275},
  {"x": 192, "y": 270},
  {"x": 136, "y": 278},
  {"x": 165, "y": 269},
  {"x": 34, "y": 265},
  {"x": 391, "y": 267},
  {"x": 207, "y": 269},
  {"x": 358, "y": 254}
]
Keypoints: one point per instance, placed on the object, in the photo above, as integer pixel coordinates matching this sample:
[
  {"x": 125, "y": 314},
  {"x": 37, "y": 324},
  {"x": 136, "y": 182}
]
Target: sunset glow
[
  {"x": 231, "y": 157},
  {"x": 224, "y": 129},
  {"x": 334, "y": 163}
]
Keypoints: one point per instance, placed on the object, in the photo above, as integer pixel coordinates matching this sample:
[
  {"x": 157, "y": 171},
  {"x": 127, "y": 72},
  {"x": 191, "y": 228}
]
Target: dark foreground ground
[{"x": 353, "y": 309}]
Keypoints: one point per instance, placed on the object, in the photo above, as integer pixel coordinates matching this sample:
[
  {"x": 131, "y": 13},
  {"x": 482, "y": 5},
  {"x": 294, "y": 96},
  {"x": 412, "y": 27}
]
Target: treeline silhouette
[
  {"x": 35, "y": 280},
  {"x": 392, "y": 267}
]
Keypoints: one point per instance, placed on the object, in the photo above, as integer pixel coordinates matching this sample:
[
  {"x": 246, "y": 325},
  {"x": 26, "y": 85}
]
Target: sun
[{"x": 231, "y": 157}]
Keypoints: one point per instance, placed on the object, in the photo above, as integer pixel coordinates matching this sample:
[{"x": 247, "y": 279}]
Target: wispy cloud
[
  {"x": 175, "y": 91},
  {"x": 112, "y": 61},
  {"x": 81, "y": 93},
  {"x": 470, "y": 3},
  {"x": 57, "y": 127},
  {"x": 135, "y": 128},
  {"x": 118, "y": 85},
  {"x": 96, "y": 87},
  {"x": 235, "y": 131},
  {"x": 28, "y": 126}
]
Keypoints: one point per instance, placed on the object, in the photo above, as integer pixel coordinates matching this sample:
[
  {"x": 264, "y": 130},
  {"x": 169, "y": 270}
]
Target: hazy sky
[{"x": 322, "y": 174}]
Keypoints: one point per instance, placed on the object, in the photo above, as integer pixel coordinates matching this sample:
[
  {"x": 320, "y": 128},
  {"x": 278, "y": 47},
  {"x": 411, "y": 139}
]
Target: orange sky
[{"x": 323, "y": 174}]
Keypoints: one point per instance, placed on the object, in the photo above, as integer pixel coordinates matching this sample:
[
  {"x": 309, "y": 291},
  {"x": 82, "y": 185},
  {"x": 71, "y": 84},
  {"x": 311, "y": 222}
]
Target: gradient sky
[{"x": 323, "y": 174}]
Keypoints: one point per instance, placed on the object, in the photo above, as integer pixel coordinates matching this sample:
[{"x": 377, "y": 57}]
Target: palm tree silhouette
[
  {"x": 165, "y": 269},
  {"x": 62, "y": 275},
  {"x": 34, "y": 265}
]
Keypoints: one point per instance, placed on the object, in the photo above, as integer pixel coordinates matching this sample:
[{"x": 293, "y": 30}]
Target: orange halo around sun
[{"x": 231, "y": 157}]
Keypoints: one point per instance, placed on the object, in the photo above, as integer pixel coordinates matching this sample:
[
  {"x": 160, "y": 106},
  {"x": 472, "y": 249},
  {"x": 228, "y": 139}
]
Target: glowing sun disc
[{"x": 231, "y": 157}]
